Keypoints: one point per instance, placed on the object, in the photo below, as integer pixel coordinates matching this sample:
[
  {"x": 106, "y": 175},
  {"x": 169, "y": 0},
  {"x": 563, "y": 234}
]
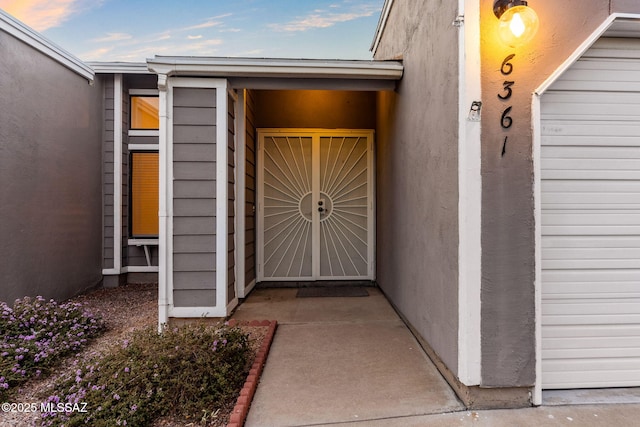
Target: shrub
[
  {"x": 35, "y": 334},
  {"x": 182, "y": 371}
]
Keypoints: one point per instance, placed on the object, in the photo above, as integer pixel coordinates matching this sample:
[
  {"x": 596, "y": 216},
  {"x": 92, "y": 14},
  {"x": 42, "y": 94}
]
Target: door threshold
[{"x": 315, "y": 284}]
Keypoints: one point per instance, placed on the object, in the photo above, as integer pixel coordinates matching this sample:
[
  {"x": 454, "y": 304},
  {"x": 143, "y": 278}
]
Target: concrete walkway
[
  {"x": 352, "y": 362},
  {"x": 337, "y": 360}
]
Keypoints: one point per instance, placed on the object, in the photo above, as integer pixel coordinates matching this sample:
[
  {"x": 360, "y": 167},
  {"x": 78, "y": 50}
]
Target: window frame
[
  {"x": 142, "y": 93},
  {"x": 137, "y": 149}
]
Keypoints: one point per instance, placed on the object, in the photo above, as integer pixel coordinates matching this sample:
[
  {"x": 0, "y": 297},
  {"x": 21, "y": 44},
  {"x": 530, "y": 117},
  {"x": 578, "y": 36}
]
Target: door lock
[{"x": 321, "y": 206}]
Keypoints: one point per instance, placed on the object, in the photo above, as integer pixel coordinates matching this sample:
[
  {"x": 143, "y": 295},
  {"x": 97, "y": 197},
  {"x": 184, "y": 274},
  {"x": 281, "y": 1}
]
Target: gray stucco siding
[
  {"x": 51, "y": 222},
  {"x": 194, "y": 197},
  {"x": 417, "y": 173}
]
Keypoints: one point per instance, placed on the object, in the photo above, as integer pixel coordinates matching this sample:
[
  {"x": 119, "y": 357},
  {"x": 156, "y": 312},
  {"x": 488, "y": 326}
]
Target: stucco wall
[
  {"x": 417, "y": 173},
  {"x": 508, "y": 241},
  {"x": 315, "y": 109},
  {"x": 50, "y": 163}
]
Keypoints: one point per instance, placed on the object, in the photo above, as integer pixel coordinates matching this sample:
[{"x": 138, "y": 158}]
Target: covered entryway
[
  {"x": 590, "y": 212},
  {"x": 315, "y": 206}
]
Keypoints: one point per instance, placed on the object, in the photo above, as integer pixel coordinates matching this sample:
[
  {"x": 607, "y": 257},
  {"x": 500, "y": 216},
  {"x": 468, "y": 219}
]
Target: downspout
[{"x": 163, "y": 203}]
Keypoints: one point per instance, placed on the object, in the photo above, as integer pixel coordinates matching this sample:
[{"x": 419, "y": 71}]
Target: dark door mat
[{"x": 332, "y": 292}]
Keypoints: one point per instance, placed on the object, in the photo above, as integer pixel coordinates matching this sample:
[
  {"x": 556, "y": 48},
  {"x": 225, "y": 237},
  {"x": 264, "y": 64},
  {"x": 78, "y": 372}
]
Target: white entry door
[{"x": 315, "y": 205}]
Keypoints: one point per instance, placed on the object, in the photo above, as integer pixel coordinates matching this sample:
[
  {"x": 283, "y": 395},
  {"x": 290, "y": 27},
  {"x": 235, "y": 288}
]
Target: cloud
[
  {"x": 210, "y": 22},
  {"x": 113, "y": 37},
  {"x": 44, "y": 14},
  {"x": 194, "y": 37},
  {"x": 324, "y": 19}
]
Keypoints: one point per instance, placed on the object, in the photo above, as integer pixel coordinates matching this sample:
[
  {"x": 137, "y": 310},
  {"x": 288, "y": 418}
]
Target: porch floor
[{"x": 339, "y": 360}]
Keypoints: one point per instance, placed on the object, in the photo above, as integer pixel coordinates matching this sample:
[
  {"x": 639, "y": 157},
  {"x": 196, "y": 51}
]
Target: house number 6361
[{"x": 507, "y": 86}]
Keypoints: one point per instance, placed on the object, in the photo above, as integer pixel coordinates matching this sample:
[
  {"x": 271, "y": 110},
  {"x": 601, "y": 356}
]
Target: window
[
  {"x": 144, "y": 193},
  {"x": 144, "y": 112}
]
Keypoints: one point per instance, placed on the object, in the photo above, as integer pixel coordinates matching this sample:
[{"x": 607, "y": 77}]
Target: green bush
[
  {"x": 184, "y": 371},
  {"x": 36, "y": 334}
]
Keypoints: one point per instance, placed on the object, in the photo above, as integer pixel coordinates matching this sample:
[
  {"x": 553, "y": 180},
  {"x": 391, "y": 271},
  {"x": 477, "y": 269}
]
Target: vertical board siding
[
  {"x": 107, "y": 176},
  {"x": 250, "y": 191},
  {"x": 194, "y": 197},
  {"x": 231, "y": 195}
]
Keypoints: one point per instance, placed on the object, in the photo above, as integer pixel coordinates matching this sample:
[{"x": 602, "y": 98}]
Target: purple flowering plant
[
  {"x": 35, "y": 334},
  {"x": 176, "y": 372}
]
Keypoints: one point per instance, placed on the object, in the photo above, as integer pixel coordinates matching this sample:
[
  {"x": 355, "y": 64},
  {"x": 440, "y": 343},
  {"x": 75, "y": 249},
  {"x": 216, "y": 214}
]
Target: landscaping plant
[
  {"x": 35, "y": 334},
  {"x": 188, "y": 371}
]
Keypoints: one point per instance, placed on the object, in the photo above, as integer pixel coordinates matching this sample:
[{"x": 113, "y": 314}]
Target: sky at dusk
[{"x": 133, "y": 30}]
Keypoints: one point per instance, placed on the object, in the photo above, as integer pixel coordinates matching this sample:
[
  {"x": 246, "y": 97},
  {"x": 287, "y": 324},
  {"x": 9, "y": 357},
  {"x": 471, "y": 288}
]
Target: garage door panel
[
  {"x": 591, "y": 218},
  {"x": 555, "y": 278},
  {"x": 589, "y": 152},
  {"x": 603, "y": 348},
  {"x": 586, "y": 231},
  {"x": 587, "y": 101},
  {"x": 561, "y": 139},
  {"x": 590, "y": 290},
  {"x": 623, "y": 332},
  {"x": 597, "y": 310},
  {"x": 590, "y": 221},
  {"x": 618, "y": 174},
  {"x": 595, "y": 200},
  {"x": 600, "y": 373},
  {"x": 590, "y": 264},
  {"x": 592, "y": 165},
  {"x": 588, "y": 128},
  {"x": 587, "y": 186}
]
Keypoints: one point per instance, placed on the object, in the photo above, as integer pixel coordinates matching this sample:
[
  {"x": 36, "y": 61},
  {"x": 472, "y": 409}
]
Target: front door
[{"x": 315, "y": 205}]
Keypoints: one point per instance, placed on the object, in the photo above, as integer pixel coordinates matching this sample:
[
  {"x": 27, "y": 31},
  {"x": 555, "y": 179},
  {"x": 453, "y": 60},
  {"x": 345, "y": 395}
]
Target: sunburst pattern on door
[{"x": 315, "y": 220}]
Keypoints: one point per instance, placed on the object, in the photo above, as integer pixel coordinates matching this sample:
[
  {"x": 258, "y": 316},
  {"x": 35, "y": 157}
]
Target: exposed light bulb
[{"x": 516, "y": 26}]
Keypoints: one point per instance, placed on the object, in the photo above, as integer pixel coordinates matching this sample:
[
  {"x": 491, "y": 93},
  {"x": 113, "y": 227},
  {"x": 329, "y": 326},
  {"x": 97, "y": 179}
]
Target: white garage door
[{"x": 590, "y": 161}]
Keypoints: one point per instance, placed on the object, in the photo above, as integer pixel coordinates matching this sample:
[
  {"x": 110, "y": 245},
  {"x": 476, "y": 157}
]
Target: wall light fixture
[{"x": 518, "y": 22}]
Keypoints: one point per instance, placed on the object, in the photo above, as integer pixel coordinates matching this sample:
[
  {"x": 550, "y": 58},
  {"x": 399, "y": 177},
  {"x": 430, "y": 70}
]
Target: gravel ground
[{"x": 124, "y": 309}]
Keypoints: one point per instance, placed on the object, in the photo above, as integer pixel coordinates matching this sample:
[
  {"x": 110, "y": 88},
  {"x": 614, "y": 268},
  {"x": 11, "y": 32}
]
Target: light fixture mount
[{"x": 501, "y": 6}]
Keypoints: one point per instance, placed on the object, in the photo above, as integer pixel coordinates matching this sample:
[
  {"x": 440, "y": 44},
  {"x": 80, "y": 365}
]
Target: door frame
[{"x": 371, "y": 220}]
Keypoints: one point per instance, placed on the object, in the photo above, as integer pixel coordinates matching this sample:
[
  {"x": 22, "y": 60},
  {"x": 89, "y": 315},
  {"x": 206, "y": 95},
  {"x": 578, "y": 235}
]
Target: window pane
[
  {"x": 144, "y": 112},
  {"x": 144, "y": 194}
]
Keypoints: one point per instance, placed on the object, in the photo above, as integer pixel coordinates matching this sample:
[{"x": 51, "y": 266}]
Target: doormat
[{"x": 332, "y": 292}]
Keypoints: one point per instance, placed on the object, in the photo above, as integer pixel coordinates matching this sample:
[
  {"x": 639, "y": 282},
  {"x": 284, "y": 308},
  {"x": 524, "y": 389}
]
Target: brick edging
[{"x": 239, "y": 414}]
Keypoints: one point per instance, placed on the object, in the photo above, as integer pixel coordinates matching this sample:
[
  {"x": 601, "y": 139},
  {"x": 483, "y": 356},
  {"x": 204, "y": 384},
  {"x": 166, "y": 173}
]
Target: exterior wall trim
[
  {"x": 536, "y": 124},
  {"x": 165, "y": 207},
  {"x": 34, "y": 39},
  {"x": 144, "y": 147},
  {"x": 469, "y": 198},
  {"x": 166, "y": 309},
  {"x": 241, "y": 150},
  {"x": 382, "y": 23}
]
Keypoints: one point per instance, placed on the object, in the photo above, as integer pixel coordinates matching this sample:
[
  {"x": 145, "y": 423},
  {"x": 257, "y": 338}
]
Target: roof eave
[
  {"x": 26, "y": 34},
  {"x": 119, "y": 67},
  {"x": 275, "y": 68}
]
